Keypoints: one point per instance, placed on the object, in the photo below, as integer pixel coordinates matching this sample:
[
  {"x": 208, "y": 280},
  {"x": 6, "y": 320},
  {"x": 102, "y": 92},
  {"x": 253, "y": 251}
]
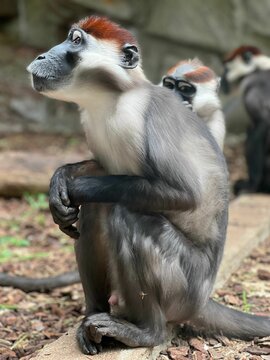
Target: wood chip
[
  {"x": 232, "y": 300},
  {"x": 216, "y": 355},
  {"x": 198, "y": 344},
  {"x": 7, "y": 354},
  {"x": 265, "y": 260},
  {"x": 263, "y": 274},
  {"x": 5, "y": 343},
  {"x": 224, "y": 340},
  {"x": 212, "y": 342},
  {"x": 197, "y": 355},
  {"x": 162, "y": 357},
  {"x": 255, "y": 350},
  {"x": 177, "y": 352},
  {"x": 263, "y": 340}
]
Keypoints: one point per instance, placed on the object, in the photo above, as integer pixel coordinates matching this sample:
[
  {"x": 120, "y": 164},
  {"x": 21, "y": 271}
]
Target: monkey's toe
[
  {"x": 85, "y": 341},
  {"x": 101, "y": 324}
]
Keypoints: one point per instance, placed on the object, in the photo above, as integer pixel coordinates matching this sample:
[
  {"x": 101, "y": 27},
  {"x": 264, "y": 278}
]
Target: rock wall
[{"x": 167, "y": 30}]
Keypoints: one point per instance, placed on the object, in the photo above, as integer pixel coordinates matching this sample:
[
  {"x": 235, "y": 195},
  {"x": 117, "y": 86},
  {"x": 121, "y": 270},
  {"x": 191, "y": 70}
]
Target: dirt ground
[{"x": 32, "y": 245}]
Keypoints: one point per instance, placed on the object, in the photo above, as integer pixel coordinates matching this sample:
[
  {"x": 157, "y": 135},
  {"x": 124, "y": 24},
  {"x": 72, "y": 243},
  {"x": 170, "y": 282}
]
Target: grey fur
[{"x": 158, "y": 235}]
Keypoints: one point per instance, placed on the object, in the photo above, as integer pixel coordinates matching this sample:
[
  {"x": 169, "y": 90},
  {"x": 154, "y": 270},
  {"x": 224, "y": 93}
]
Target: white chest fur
[{"x": 115, "y": 131}]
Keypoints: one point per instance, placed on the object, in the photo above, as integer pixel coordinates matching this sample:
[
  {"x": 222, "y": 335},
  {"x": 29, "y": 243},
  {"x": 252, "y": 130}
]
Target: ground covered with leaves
[
  {"x": 248, "y": 290},
  {"x": 32, "y": 245}
]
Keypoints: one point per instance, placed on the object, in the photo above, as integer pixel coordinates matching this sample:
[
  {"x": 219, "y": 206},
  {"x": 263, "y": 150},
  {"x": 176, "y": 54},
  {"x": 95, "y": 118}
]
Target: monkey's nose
[{"x": 41, "y": 57}]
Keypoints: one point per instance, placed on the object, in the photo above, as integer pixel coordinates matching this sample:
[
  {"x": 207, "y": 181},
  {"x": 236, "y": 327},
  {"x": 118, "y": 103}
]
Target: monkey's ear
[{"x": 130, "y": 57}]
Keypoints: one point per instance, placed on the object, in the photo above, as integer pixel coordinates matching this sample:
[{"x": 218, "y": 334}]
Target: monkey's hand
[{"x": 63, "y": 213}]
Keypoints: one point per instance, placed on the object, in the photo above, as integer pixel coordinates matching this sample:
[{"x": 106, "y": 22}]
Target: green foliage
[
  {"x": 246, "y": 306},
  {"x": 40, "y": 219},
  {"x": 19, "y": 342},
  {"x": 11, "y": 240},
  {"x": 8, "y": 307},
  {"x": 9, "y": 250},
  {"x": 37, "y": 202},
  {"x": 36, "y": 255},
  {"x": 73, "y": 142},
  {"x": 14, "y": 226},
  {"x": 5, "y": 255},
  {"x": 13, "y": 255}
]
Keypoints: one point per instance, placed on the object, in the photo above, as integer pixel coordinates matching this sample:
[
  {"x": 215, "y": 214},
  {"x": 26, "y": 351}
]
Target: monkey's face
[
  {"x": 196, "y": 83},
  {"x": 81, "y": 61},
  {"x": 202, "y": 97},
  {"x": 185, "y": 89},
  {"x": 239, "y": 67}
]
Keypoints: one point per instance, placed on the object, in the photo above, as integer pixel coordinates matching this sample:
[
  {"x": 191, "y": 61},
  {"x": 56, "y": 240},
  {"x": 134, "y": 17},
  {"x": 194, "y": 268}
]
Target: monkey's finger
[
  {"x": 64, "y": 220},
  {"x": 103, "y": 330},
  {"x": 87, "y": 346},
  {"x": 94, "y": 334},
  {"x": 99, "y": 347},
  {"x": 71, "y": 231},
  {"x": 61, "y": 219},
  {"x": 57, "y": 206},
  {"x": 64, "y": 224},
  {"x": 64, "y": 197}
]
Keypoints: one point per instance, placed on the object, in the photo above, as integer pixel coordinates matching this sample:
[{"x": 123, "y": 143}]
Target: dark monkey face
[
  {"x": 181, "y": 87},
  {"x": 240, "y": 63},
  {"x": 53, "y": 69},
  {"x": 82, "y": 61}
]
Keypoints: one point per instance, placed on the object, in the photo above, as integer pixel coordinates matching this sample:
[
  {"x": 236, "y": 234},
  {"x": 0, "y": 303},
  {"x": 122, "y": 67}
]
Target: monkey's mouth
[
  {"x": 39, "y": 83},
  {"x": 42, "y": 79},
  {"x": 42, "y": 84}
]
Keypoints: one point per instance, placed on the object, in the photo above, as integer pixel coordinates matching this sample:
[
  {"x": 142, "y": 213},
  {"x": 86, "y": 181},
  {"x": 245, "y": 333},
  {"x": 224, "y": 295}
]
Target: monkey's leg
[
  {"x": 90, "y": 248},
  {"x": 265, "y": 186},
  {"x": 132, "y": 250},
  {"x": 92, "y": 260},
  {"x": 255, "y": 156}
]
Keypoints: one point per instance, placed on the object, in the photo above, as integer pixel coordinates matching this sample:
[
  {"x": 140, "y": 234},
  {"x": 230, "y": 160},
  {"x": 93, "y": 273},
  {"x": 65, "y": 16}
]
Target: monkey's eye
[
  {"x": 76, "y": 37},
  {"x": 169, "y": 83},
  {"x": 247, "y": 56},
  {"x": 186, "y": 89}
]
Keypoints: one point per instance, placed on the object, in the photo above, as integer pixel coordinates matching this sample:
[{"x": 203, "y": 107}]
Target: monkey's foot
[{"x": 95, "y": 326}]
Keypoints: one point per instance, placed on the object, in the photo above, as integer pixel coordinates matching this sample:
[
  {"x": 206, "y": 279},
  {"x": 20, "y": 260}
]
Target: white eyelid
[
  {"x": 76, "y": 34},
  {"x": 169, "y": 81}
]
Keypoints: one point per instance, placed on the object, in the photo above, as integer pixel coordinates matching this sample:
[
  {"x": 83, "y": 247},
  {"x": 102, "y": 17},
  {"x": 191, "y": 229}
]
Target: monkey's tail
[{"x": 219, "y": 319}]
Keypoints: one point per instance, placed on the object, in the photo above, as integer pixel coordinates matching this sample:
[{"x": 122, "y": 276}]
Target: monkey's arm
[
  {"x": 133, "y": 191},
  {"x": 63, "y": 213},
  {"x": 257, "y": 103},
  {"x": 169, "y": 181}
]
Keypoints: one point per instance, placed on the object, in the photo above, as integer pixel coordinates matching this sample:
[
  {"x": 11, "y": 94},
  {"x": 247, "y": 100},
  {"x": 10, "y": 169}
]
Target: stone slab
[
  {"x": 249, "y": 223},
  {"x": 65, "y": 348}
]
